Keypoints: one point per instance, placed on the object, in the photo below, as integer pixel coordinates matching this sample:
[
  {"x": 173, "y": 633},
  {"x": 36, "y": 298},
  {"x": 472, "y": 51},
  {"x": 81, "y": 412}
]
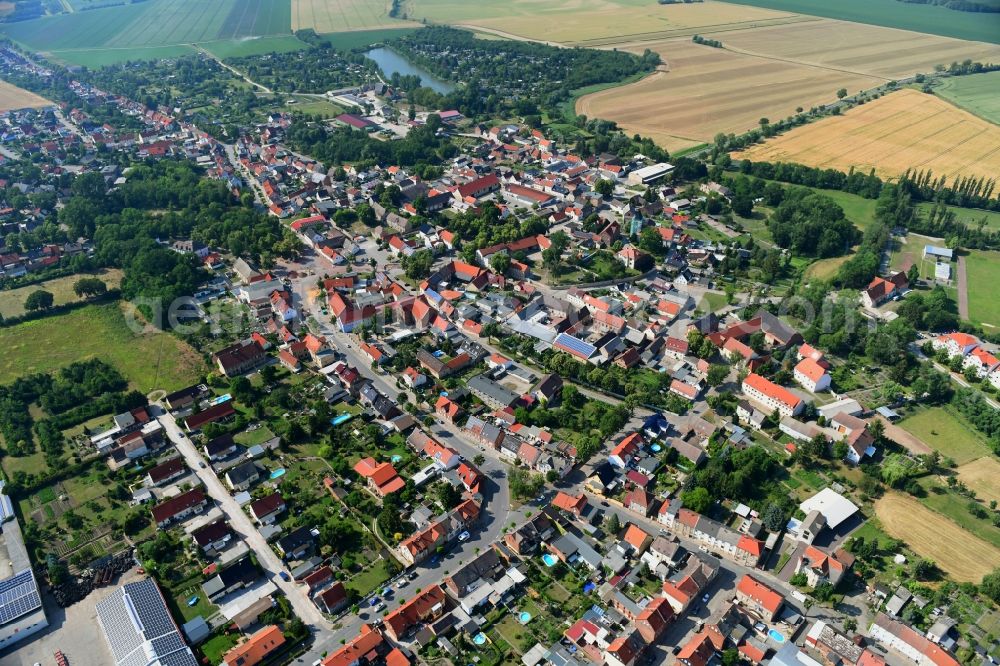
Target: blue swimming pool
[
  {"x": 277, "y": 474},
  {"x": 549, "y": 559},
  {"x": 776, "y": 636},
  {"x": 479, "y": 639},
  {"x": 524, "y": 617},
  {"x": 395, "y": 458},
  {"x": 337, "y": 420},
  {"x": 656, "y": 448}
]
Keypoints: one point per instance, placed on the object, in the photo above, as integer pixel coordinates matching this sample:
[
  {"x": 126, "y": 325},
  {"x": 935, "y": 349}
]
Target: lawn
[
  {"x": 975, "y": 93},
  {"x": 253, "y": 437},
  {"x": 249, "y": 46},
  {"x": 370, "y": 579},
  {"x": 149, "y": 359},
  {"x": 894, "y": 14},
  {"x": 942, "y": 430},
  {"x": 12, "y": 300},
  {"x": 218, "y": 645},
  {"x": 826, "y": 269},
  {"x": 981, "y": 270}
]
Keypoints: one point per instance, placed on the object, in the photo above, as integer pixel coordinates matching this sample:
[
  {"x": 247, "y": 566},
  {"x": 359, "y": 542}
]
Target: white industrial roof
[{"x": 834, "y": 507}]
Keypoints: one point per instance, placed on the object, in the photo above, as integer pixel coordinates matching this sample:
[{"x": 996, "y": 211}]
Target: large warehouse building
[{"x": 139, "y": 629}]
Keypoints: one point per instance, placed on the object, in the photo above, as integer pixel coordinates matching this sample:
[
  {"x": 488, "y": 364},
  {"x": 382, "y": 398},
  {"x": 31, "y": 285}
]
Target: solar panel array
[
  {"x": 18, "y": 596},
  {"x": 139, "y": 628},
  {"x": 575, "y": 345}
]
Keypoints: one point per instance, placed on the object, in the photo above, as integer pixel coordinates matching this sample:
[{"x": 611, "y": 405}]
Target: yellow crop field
[
  {"x": 960, "y": 554},
  {"x": 343, "y": 15},
  {"x": 854, "y": 47},
  {"x": 902, "y": 130},
  {"x": 594, "y": 22},
  {"x": 981, "y": 476},
  {"x": 12, "y": 97},
  {"x": 707, "y": 91}
]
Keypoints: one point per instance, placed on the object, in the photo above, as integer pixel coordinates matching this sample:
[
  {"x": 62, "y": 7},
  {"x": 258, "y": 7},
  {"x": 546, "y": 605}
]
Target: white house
[
  {"x": 812, "y": 375},
  {"x": 956, "y": 344},
  {"x": 772, "y": 396}
]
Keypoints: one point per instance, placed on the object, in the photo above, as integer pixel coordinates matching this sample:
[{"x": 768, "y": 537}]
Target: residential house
[
  {"x": 821, "y": 567},
  {"x": 908, "y": 641},
  {"x": 239, "y": 358},
  {"x": 266, "y": 509},
  {"x": 426, "y": 606},
  {"x": 569, "y": 503},
  {"x": 178, "y": 508},
  {"x": 242, "y": 476},
  {"x": 234, "y": 577},
  {"x": 811, "y": 375},
  {"x": 382, "y": 478},
  {"x": 296, "y": 543},
  {"x": 256, "y": 648},
  {"x": 333, "y": 599},
  {"x": 758, "y": 599},
  {"x": 214, "y": 537},
  {"x": 166, "y": 471},
  {"x": 880, "y": 290}
]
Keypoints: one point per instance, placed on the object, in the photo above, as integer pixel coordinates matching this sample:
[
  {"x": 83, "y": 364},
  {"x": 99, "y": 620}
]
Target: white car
[{"x": 464, "y": 536}]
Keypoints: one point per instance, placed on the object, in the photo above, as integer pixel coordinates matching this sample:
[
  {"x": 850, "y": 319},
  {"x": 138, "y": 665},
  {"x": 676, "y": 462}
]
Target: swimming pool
[
  {"x": 776, "y": 636},
  {"x": 656, "y": 448},
  {"x": 395, "y": 458},
  {"x": 337, "y": 420},
  {"x": 524, "y": 617},
  {"x": 549, "y": 559},
  {"x": 479, "y": 639},
  {"x": 277, "y": 474}
]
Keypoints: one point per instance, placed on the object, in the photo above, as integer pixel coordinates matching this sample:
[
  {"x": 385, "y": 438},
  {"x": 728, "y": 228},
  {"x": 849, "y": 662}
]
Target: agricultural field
[
  {"x": 942, "y": 430},
  {"x": 976, "y": 93},
  {"x": 152, "y": 29},
  {"x": 707, "y": 91},
  {"x": 12, "y": 97},
  {"x": 12, "y": 300},
  {"x": 981, "y": 476},
  {"x": 603, "y": 23},
  {"x": 901, "y": 130},
  {"x": 927, "y": 18},
  {"x": 960, "y": 554},
  {"x": 343, "y": 15},
  {"x": 150, "y": 359},
  {"x": 356, "y": 39},
  {"x": 852, "y": 47},
  {"x": 982, "y": 272},
  {"x": 248, "y": 46}
]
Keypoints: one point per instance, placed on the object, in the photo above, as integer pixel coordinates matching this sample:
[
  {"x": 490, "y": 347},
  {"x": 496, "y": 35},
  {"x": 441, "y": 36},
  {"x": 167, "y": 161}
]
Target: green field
[
  {"x": 894, "y": 14},
  {"x": 940, "y": 429},
  {"x": 249, "y": 46},
  {"x": 981, "y": 270},
  {"x": 12, "y": 300},
  {"x": 150, "y": 360},
  {"x": 976, "y": 93},
  {"x": 153, "y": 29},
  {"x": 361, "y": 38}
]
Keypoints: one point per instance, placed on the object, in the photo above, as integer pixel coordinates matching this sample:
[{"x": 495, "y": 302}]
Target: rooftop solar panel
[
  {"x": 18, "y": 596},
  {"x": 575, "y": 345}
]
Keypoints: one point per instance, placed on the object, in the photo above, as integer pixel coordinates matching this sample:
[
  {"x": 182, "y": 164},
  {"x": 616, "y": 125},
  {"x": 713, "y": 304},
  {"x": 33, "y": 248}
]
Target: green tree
[
  {"x": 842, "y": 93},
  {"x": 39, "y": 300},
  {"x": 604, "y": 187},
  {"x": 717, "y": 374},
  {"x": 85, "y": 287},
  {"x": 697, "y": 499},
  {"x": 500, "y": 262}
]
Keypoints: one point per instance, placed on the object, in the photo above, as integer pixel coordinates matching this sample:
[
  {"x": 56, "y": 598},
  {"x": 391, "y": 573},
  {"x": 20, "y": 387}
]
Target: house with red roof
[
  {"x": 179, "y": 507},
  {"x": 821, "y": 567},
  {"x": 570, "y": 503},
  {"x": 381, "y": 477},
  {"x": 333, "y": 599},
  {"x": 654, "y": 619},
  {"x": 768, "y": 394},
  {"x": 955, "y": 344},
  {"x": 758, "y": 599},
  {"x": 425, "y": 607},
  {"x": 625, "y": 650},
  {"x": 880, "y": 290},
  {"x": 811, "y": 375},
  {"x": 621, "y": 455}
]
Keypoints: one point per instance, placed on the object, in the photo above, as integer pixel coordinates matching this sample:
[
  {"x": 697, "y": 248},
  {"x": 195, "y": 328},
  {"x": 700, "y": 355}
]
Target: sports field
[
  {"x": 708, "y": 90},
  {"x": 343, "y": 15},
  {"x": 976, "y": 93},
  {"x": 12, "y": 300},
  {"x": 594, "y": 23},
  {"x": 894, "y": 14},
  {"x": 982, "y": 270},
  {"x": 858, "y": 48},
  {"x": 982, "y": 476},
  {"x": 12, "y": 97},
  {"x": 150, "y": 359},
  {"x": 156, "y": 28},
  {"x": 960, "y": 554},
  {"x": 946, "y": 433},
  {"x": 902, "y": 130}
]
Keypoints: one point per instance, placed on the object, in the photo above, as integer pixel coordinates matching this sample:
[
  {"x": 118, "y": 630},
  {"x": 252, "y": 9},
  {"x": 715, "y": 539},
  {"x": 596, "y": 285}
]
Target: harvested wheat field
[
  {"x": 12, "y": 97},
  {"x": 854, "y": 47},
  {"x": 595, "y": 22},
  {"x": 708, "y": 90},
  {"x": 963, "y": 556},
  {"x": 343, "y": 15},
  {"x": 982, "y": 476},
  {"x": 905, "y": 129}
]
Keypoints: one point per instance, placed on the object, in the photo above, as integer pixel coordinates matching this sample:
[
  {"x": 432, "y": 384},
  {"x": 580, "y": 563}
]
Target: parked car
[
  {"x": 284, "y": 576},
  {"x": 464, "y": 536}
]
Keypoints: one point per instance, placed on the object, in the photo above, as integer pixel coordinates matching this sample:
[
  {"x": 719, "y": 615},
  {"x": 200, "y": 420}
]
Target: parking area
[{"x": 73, "y": 631}]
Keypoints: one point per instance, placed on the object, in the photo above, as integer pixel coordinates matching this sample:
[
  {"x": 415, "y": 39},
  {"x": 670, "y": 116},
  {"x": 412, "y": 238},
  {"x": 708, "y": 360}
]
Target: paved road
[{"x": 242, "y": 525}]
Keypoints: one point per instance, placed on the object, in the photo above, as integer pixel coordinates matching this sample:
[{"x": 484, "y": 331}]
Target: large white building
[
  {"x": 139, "y": 629},
  {"x": 771, "y": 396},
  {"x": 21, "y": 612},
  {"x": 812, "y": 375}
]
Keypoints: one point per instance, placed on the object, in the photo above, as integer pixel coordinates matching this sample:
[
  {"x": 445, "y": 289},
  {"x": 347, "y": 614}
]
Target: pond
[{"x": 391, "y": 62}]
